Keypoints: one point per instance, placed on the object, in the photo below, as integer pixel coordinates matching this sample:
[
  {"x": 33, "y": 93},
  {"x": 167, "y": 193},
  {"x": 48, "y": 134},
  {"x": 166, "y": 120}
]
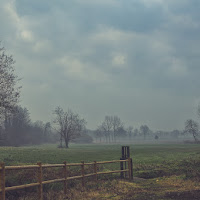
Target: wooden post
[
  {"x": 125, "y": 157},
  {"x": 121, "y": 168},
  {"x": 122, "y": 152},
  {"x": 83, "y": 173},
  {"x": 2, "y": 182},
  {"x": 40, "y": 188},
  {"x": 131, "y": 168},
  {"x": 128, "y": 151},
  {"x": 95, "y": 170},
  {"x": 65, "y": 175}
]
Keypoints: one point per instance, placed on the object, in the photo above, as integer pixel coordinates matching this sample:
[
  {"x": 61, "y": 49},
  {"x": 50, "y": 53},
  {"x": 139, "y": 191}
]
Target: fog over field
[{"x": 135, "y": 59}]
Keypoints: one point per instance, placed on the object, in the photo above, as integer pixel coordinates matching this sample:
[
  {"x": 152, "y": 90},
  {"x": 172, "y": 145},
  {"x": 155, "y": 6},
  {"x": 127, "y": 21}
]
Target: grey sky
[{"x": 138, "y": 59}]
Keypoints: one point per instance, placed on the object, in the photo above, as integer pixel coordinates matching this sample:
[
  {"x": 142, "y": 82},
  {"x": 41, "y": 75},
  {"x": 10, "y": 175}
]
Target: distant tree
[
  {"x": 107, "y": 127},
  {"x": 130, "y": 132},
  {"x": 159, "y": 133},
  {"x": 40, "y": 124},
  {"x": 69, "y": 124},
  {"x": 175, "y": 133},
  {"x": 116, "y": 124},
  {"x": 17, "y": 127},
  {"x": 192, "y": 127},
  {"x": 144, "y": 130},
  {"x": 47, "y": 132},
  {"x": 156, "y": 137},
  {"x": 37, "y": 132},
  {"x": 99, "y": 133},
  {"x": 121, "y": 132},
  {"x": 135, "y": 132},
  {"x": 9, "y": 91}
]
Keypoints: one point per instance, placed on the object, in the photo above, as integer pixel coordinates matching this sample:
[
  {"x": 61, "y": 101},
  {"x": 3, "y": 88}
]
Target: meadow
[{"x": 161, "y": 171}]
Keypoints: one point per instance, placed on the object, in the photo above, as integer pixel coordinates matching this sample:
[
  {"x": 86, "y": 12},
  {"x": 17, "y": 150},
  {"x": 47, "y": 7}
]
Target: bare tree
[
  {"x": 116, "y": 124},
  {"x": 99, "y": 133},
  {"x": 144, "y": 129},
  {"x": 69, "y": 125},
  {"x": 130, "y": 132},
  {"x": 135, "y": 132},
  {"x": 192, "y": 127},
  {"x": 107, "y": 127},
  {"x": 121, "y": 132},
  {"x": 47, "y": 130},
  {"x": 9, "y": 91}
]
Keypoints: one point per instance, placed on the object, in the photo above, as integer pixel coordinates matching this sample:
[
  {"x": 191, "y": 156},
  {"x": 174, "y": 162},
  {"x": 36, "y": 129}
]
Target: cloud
[
  {"x": 19, "y": 23},
  {"x": 75, "y": 69},
  {"x": 106, "y": 57},
  {"x": 177, "y": 68},
  {"x": 118, "y": 60}
]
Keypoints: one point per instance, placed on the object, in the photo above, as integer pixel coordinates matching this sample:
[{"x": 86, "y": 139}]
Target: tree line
[
  {"x": 113, "y": 130},
  {"x": 16, "y": 127}
]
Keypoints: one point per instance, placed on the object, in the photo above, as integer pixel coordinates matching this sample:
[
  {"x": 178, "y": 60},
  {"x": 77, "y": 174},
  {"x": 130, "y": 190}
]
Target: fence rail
[{"x": 65, "y": 165}]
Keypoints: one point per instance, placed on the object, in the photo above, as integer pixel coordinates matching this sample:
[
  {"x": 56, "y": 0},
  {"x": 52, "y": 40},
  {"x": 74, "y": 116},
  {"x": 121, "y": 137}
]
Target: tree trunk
[
  {"x": 196, "y": 140},
  {"x": 114, "y": 134},
  {"x": 66, "y": 143},
  {"x": 61, "y": 144}
]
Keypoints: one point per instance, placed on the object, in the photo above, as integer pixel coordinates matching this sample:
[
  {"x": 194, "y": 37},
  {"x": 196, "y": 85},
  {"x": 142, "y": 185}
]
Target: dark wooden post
[
  {"x": 83, "y": 173},
  {"x": 2, "y": 182},
  {"x": 122, "y": 152},
  {"x": 95, "y": 171},
  {"x": 128, "y": 152},
  {"x": 40, "y": 188},
  {"x": 129, "y": 168},
  {"x": 125, "y": 156},
  {"x": 131, "y": 161},
  {"x": 121, "y": 168},
  {"x": 65, "y": 175},
  {"x": 125, "y": 152}
]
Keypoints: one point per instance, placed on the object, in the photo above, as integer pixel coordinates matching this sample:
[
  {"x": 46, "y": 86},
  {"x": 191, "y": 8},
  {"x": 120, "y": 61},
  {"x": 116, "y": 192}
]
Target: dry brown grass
[{"x": 165, "y": 188}]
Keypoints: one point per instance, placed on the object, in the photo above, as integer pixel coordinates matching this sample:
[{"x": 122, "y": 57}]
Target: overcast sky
[{"x": 138, "y": 59}]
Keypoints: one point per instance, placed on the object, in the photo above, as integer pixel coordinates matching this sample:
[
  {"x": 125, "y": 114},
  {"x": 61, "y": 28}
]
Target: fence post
[
  {"x": 83, "y": 173},
  {"x": 122, "y": 152},
  {"x": 131, "y": 161},
  {"x": 128, "y": 151},
  {"x": 121, "y": 168},
  {"x": 95, "y": 170},
  {"x": 40, "y": 188},
  {"x": 129, "y": 168},
  {"x": 125, "y": 152},
  {"x": 65, "y": 175},
  {"x": 2, "y": 182}
]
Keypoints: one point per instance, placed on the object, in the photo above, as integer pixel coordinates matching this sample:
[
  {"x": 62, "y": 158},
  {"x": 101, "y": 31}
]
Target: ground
[{"x": 167, "y": 171}]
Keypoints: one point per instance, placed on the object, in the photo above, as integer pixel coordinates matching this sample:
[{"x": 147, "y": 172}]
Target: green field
[
  {"x": 164, "y": 164},
  {"x": 148, "y": 160}
]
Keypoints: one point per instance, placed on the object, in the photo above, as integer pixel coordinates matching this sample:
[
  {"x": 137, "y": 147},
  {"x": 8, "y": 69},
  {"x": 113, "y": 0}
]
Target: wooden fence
[{"x": 40, "y": 167}]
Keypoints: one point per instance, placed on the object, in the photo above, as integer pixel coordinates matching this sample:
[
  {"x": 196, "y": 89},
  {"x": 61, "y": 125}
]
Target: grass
[
  {"x": 141, "y": 154},
  {"x": 171, "y": 171}
]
